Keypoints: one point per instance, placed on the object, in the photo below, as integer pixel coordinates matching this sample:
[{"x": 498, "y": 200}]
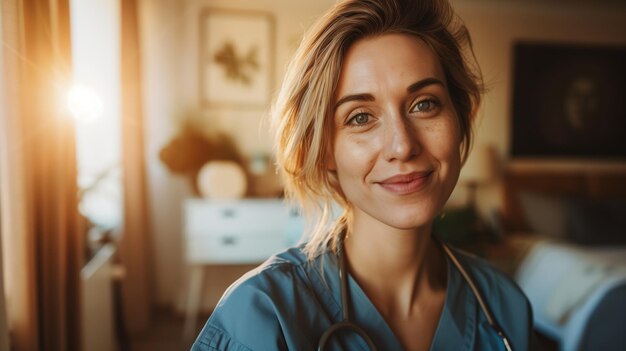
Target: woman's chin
[{"x": 409, "y": 220}]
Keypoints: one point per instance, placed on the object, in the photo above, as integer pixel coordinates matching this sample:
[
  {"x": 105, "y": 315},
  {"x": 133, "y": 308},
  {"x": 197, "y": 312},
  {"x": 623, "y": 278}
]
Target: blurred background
[{"x": 137, "y": 179}]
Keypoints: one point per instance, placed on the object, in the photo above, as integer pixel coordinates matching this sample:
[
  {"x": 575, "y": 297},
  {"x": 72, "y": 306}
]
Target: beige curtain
[
  {"x": 4, "y": 327},
  {"x": 43, "y": 245},
  {"x": 135, "y": 245}
]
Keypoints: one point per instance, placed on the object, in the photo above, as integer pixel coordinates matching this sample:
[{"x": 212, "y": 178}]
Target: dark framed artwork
[
  {"x": 236, "y": 58},
  {"x": 569, "y": 101}
]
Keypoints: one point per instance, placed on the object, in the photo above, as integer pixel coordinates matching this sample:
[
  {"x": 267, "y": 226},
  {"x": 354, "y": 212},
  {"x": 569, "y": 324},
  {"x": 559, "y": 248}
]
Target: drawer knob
[
  {"x": 228, "y": 213},
  {"x": 229, "y": 240}
]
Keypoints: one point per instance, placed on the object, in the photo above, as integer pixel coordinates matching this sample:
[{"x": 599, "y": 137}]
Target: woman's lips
[{"x": 403, "y": 184}]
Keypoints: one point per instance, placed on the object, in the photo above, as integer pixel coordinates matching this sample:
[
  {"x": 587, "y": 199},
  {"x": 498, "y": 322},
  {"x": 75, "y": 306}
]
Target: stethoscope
[{"x": 346, "y": 323}]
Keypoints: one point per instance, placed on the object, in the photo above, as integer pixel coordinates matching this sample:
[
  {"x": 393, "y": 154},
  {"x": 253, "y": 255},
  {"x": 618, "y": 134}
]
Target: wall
[{"x": 170, "y": 34}]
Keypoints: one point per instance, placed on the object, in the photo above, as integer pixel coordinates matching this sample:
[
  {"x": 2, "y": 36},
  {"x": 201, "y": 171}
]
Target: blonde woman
[{"x": 375, "y": 114}]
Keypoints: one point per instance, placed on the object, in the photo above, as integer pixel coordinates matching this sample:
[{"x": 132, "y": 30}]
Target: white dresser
[
  {"x": 240, "y": 231},
  {"x": 233, "y": 232}
]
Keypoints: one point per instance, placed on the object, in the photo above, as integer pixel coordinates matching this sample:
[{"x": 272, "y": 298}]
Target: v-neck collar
[
  {"x": 457, "y": 324},
  {"x": 456, "y": 328}
]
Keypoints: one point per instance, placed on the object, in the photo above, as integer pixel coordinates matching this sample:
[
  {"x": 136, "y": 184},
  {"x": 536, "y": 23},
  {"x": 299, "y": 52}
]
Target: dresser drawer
[
  {"x": 234, "y": 248},
  {"x": 238, "y": 232},
  {"x": 247, "y": 217}
]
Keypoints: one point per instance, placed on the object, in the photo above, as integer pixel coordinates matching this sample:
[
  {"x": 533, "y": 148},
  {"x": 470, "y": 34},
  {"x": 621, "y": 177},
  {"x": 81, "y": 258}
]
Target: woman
[{"x": 375, "y": 114}]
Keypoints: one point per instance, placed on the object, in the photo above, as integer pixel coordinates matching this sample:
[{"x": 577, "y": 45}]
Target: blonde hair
[{"x": 302, "y": 110}]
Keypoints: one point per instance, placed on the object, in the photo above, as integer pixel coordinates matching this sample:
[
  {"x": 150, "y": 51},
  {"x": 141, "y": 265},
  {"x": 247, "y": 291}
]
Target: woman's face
[{"x": 396, "y": 147}]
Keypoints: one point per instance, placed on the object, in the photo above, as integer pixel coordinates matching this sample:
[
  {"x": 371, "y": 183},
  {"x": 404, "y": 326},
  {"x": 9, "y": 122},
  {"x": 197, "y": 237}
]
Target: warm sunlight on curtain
[
  {"x": 41, "y": 237},
  {"x": 4, "y": 327},
  {"x": 135, "y": 244}
]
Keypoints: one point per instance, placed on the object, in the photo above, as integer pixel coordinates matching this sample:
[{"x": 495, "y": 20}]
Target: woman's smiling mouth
[{"x": 404, "y": 184}]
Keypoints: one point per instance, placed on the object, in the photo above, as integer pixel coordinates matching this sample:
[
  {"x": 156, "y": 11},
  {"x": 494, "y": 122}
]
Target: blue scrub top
[{"x": 288, "y": 302}]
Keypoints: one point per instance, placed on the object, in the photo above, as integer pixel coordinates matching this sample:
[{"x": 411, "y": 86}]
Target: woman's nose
[{"x": 400, "y": 140}]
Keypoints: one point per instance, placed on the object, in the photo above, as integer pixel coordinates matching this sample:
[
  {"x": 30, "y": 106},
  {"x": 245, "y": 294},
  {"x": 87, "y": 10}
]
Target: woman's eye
[
  {"x": 425, "y": 106},
  {"x": 361, "y": 118}
]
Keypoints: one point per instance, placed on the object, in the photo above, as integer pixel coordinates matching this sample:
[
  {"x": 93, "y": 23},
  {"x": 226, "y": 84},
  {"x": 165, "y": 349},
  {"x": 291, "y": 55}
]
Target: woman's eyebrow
[
  {"x": 355, "y": 97},
  {"x": 423, "y": 83}
]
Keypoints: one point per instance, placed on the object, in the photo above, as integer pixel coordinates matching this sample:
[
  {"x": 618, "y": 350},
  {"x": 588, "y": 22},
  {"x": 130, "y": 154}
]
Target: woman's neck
[{"x": 396, "y": 268}]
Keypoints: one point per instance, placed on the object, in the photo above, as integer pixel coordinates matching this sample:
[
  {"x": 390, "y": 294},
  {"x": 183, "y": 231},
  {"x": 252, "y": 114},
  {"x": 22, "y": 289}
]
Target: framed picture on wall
[
  {"x": 236, "y": 58},
  {"x": 568, "y": 101}
]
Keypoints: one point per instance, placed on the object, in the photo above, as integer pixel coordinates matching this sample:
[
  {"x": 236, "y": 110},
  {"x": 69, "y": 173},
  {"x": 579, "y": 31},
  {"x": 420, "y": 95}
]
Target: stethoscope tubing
[
  {"x": 479, "y": 297},
  {"x": 347, "y": 325}
]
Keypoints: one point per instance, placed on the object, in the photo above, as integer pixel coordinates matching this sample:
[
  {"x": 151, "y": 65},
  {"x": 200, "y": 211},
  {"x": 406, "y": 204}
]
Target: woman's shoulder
[
  {"x": 279, "y": 271},
  {"x": 250, "y": 313}
]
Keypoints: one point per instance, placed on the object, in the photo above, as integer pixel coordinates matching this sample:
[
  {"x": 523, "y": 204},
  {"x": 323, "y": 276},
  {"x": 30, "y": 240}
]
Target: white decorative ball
[{"x": 222, "y": 180}]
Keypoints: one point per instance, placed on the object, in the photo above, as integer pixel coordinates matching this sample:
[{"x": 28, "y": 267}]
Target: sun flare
[{"x": 84, "y": 103}]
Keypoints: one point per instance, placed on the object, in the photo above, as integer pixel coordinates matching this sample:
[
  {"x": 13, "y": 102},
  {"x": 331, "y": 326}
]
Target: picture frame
[
  {"x": 568, "y": 101},
  {"x": 236, "y": 63}
]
